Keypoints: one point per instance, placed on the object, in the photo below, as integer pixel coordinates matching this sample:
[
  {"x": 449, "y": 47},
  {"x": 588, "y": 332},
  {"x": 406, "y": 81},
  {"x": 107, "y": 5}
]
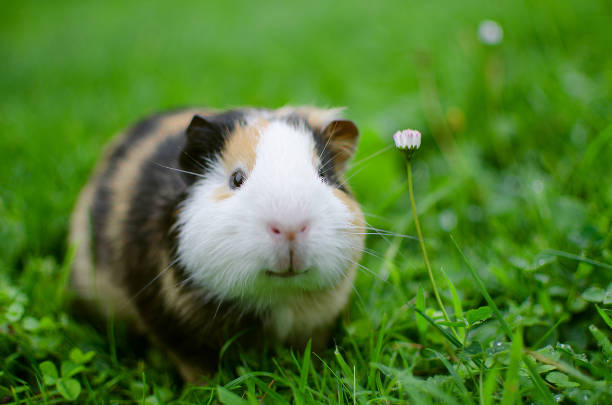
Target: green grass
[{"x": 516, "y": 164}]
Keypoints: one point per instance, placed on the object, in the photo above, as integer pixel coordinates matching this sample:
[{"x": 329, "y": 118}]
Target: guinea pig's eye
[{"x": 237, "y": 179}]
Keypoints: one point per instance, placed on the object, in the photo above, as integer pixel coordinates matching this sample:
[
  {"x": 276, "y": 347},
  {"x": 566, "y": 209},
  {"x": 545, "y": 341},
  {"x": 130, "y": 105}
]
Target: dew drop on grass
[
  {"x": 563, "y": 346},
  {"x": 541, "y": 262},
  {"x": 497, "y": 347}
]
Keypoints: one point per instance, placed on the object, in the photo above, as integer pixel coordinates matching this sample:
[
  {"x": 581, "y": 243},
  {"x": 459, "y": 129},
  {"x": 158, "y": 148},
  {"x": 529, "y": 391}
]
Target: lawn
[{"x": 515, "y": 167}]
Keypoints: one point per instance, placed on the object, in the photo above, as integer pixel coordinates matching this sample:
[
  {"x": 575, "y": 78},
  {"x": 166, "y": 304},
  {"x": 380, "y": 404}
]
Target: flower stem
[{"x": 422, "y": 243}]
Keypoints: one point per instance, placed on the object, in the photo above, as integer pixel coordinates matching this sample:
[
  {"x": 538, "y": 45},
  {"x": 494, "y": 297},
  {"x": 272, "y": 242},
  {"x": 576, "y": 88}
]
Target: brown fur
[
  {"x": 222, "y": 193},
  {"x": 241, "y": 147}
]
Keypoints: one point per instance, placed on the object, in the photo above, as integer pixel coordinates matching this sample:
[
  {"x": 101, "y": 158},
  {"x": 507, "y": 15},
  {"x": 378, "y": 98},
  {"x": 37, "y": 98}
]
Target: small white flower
[
  {"x": 490, "y": 32},
  {"x": 407, "y": 139}
]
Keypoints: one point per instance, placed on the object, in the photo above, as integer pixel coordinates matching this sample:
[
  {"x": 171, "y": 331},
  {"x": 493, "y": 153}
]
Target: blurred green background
[{"x": 516, "y": 154}]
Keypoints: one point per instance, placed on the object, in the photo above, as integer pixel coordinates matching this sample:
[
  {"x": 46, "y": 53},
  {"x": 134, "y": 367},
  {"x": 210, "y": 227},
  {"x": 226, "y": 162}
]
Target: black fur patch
[
  {"x": 206, "y": 137},
  {"x": 298, "y": 121},
  {"x": 102, "y": 199},
  {"x": 158, "y": 191},
  {"x": 327, "y": 169}
]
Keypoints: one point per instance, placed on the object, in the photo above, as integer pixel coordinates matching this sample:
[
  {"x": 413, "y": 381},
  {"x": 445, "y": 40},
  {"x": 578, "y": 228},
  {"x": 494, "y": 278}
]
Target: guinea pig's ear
[
  {"x": 341, "y": 136},
  {"x": 205, "y": 140}
]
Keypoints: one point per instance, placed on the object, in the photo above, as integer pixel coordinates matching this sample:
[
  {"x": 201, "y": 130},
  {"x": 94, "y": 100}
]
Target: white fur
[{"x": 227, "y": 247}]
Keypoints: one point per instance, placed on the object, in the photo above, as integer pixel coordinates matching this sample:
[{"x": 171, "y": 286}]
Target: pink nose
[{"x": 287, "y": 232}]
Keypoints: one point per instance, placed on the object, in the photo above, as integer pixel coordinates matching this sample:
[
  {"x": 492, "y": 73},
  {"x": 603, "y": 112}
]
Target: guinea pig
[{"x": 200, "y": 225}]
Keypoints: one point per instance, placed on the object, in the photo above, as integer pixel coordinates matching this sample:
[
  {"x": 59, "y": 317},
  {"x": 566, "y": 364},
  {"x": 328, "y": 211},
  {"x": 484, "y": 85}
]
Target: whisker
[
  {"x": 217, "y": 310},
  {"x": 372, "y": 253},
  {"x": 368, "y": 226},
  {"x": 194, "y": 160},
  {"x": 324, "y": 147},
  {"x": 179, "y": 170},
  {"x": 357, "y": 163},
  {"x": 330, "y": 160},
  {"x": 350, "y": 177},
  {"x": 368, "y": 270},
  {"x": 380, "y": 218},
  {"x": 188, "y": 279},
  {"x": 361, "y": 301},
  {"x": 399, "y": 251},
  {"x": 378, "y": 231},
  {"x": 382, "y": 234},
  {"x": 154, "y": 279}
]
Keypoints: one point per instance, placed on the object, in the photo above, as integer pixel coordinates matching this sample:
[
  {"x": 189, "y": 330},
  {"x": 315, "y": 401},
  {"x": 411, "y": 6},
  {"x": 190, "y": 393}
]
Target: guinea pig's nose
[{"x": 289, "y": 232}]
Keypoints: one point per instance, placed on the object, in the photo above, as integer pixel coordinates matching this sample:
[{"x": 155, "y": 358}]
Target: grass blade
[
  {"x": 456, "y": 303},
  {"x": 484, "y": 292},
  {"x": 541, "y": 386},
  {"x": 420, "y": 322},
  {"x": 511, "y": 383},
  {"x": 458, "y": 381},
  {"x": 348, "y": 373},
  {"x": 443, "y": 331},
  {"x": 564, "y": 318},
  {"x": 456, "y": 300},
  {"x": 577, "y": 258},
  {"x": 602, "y": 340},
  {"x": 227, "y": 397},
  {"x": 305, "y": 367},
  {"x": 489, "y": 386},
  {"x": 604, "y": 316}
]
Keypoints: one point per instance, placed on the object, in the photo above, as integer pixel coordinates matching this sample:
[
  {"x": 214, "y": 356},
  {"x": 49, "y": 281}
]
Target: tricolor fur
[{"x": 165, "y": 239}]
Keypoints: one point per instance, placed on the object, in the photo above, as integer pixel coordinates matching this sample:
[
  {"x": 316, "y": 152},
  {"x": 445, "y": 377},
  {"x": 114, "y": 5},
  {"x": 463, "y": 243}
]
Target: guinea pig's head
[{"x": 267, "y": 213}]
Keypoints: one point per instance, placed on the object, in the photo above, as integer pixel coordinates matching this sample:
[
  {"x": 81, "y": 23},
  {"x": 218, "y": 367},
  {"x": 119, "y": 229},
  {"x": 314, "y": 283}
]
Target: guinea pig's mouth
[{"x": 287, "y": 274}]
